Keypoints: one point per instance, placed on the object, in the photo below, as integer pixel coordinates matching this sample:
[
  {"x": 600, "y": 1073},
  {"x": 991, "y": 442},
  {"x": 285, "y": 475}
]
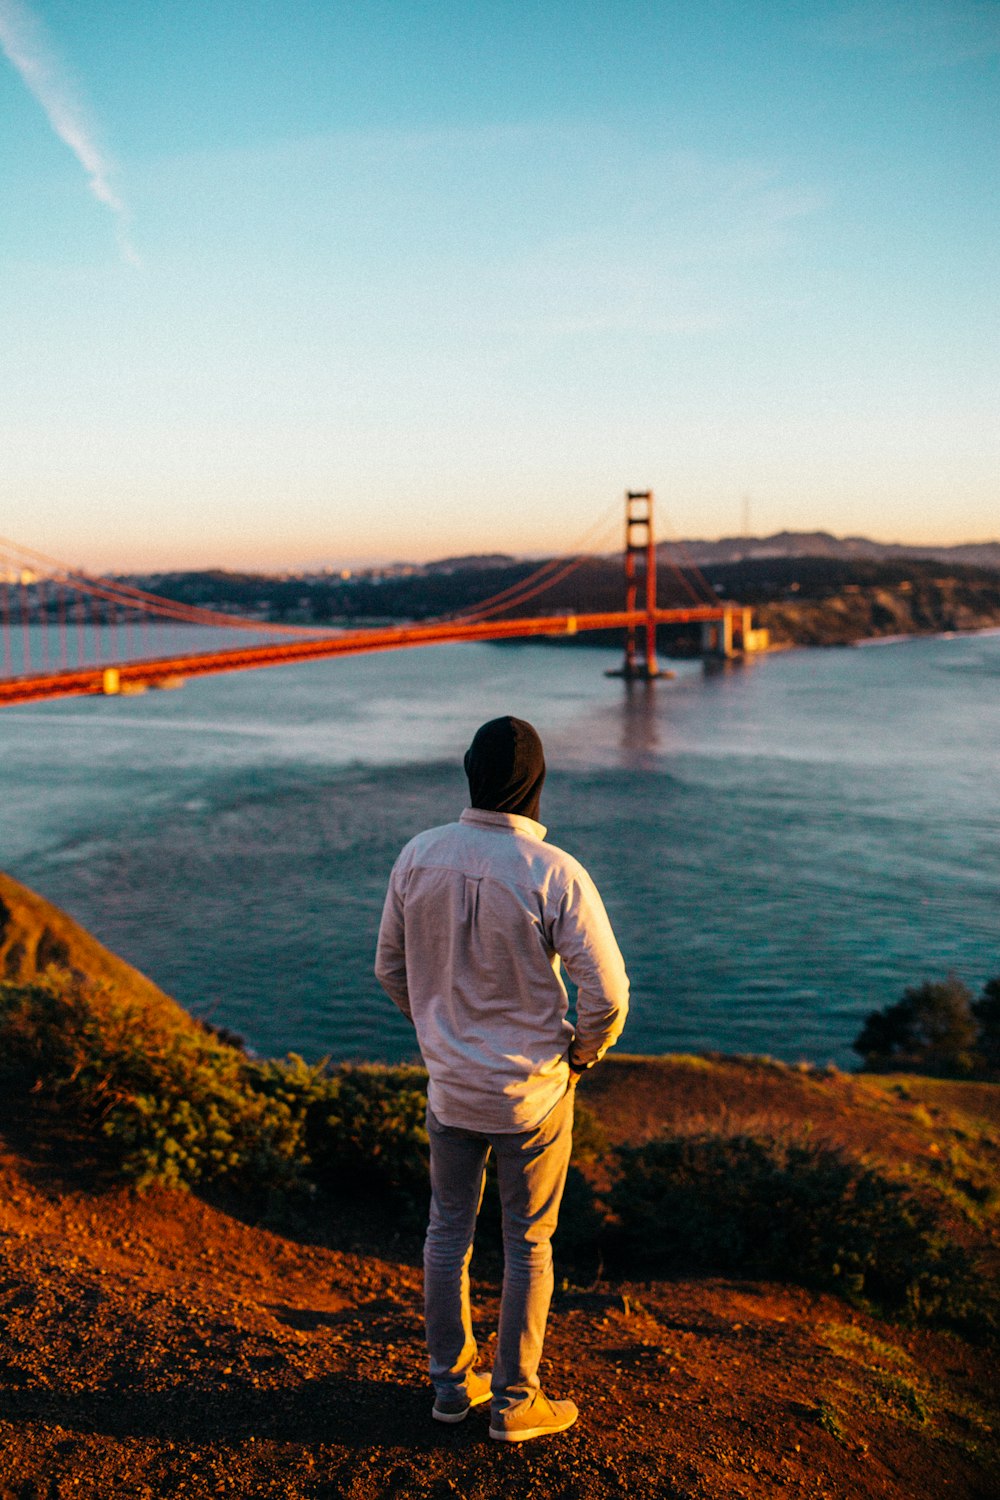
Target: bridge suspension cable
[
  {"x": 551, "y": 572},
  {"x": 690, "y": 577},
  {"x": 112, "y": 590},
  {"x": 701, "y": 589},
  {"x": 55, "y": 617}
]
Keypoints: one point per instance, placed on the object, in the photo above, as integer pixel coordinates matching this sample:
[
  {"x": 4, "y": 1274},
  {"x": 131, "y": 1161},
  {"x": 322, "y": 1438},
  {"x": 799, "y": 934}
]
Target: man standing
[{"x": 477, "y": 917}]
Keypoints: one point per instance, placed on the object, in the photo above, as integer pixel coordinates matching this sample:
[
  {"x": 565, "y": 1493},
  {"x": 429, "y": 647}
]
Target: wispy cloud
[{"x": 24, "y": 41}]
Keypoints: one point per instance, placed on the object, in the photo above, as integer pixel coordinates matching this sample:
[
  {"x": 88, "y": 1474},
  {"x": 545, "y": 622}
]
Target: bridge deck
[{"x": 135, "y": 676}]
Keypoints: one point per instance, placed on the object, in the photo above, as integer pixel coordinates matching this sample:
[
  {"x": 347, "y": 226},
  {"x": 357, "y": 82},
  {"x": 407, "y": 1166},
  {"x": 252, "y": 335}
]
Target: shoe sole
[
  {"x": 501, "y": 1434},
  {"x": 459, "y": 1416}
]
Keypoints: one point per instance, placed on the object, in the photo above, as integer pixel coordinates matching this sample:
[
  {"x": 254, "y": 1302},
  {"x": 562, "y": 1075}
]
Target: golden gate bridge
[{"x": 65, "y": 632}]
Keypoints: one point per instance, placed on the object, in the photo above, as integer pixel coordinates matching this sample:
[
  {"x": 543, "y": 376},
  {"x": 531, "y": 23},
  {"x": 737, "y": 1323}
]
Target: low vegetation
[
  {"x": 156, "y": 1097},
  {"x": 165, "y": 1100},
  {"x": 758, "y": 1205}
]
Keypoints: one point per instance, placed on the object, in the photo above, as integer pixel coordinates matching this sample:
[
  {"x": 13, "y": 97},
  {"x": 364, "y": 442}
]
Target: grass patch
[
  {"x": 688, "y": 1060},
  {"x": 882, "y": 1380},
  {"x": 829, "y": 1419},
  {"x": 903, "y": 1399},
  {"x": 860, "y": 1346}
]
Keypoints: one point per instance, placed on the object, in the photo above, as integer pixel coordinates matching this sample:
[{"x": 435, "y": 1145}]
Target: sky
[{"x": 286, "y": 284}]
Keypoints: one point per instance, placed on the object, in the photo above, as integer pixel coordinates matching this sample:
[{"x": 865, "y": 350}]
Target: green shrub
[
  {"x": 363, "y": 1125},
  {"x": 590, "y": 1139},
  {"x": 806, "y": 1213},
  {"x": 170, "y": 1103}
]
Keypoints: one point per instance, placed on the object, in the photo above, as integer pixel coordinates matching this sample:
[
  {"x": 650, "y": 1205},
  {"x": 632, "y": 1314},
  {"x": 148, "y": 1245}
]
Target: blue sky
[{"x": 287, "y": 283}]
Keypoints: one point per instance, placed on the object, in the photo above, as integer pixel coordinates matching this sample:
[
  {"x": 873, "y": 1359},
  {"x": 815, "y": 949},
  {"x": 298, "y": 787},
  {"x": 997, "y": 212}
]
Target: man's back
[{"x": 477, "y": 916}]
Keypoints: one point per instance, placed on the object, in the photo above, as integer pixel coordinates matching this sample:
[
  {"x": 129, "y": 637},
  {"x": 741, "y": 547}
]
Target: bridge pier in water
[
  {"x": 733, "y": 635},
  {"x": 724, "y": 638}
]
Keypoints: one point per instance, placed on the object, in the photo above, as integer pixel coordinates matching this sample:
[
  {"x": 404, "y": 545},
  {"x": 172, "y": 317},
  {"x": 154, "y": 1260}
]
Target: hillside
[
  {"x": 221, "y": 1343},
  {"x": 802, "y": 598},
  {"x": 819, "y": 601},
  {"x": 35, "y": 934}
]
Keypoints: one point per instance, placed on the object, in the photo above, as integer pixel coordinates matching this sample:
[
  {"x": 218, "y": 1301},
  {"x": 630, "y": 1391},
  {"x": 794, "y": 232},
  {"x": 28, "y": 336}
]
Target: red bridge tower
[{"x": 639, "y": 541}]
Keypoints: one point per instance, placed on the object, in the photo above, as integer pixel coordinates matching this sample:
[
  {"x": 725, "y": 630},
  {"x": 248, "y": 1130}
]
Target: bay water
[{"x": 782, "y": 845}]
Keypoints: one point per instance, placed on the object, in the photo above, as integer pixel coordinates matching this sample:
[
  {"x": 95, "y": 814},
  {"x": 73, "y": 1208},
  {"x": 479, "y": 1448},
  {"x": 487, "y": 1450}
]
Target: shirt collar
[{"x": 482, "y": 817}]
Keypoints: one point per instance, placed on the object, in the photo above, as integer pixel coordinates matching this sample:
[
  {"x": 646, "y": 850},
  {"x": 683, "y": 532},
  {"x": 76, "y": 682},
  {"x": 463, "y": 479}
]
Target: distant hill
[
  {"x": 733, "y": 549},
  {"x": 810, "y": 588},
  {"x": 471, "y": 562}
]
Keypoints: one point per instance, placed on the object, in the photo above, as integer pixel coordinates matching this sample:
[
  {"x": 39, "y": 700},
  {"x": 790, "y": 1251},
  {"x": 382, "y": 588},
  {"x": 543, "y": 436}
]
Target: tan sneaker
[
  {"x": 536, "y": 1418},
  {"x": 455, "y": 1407}
]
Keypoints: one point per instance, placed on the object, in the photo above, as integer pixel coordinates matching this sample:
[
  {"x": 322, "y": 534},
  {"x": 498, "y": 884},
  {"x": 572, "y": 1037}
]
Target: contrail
[{"x": 23, "y": 39}]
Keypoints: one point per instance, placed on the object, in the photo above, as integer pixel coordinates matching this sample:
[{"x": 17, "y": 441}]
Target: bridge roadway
[{"x": 136, "y": 676}]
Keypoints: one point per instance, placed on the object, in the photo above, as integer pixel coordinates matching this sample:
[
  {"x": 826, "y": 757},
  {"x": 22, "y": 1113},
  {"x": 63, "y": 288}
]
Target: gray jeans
[{"x": 531, "y": 1171}]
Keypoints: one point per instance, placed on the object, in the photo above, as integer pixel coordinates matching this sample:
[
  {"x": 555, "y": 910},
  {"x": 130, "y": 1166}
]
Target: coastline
[
  {"x": 860, "y": 616},
  {"x": 923, "y": 635}
]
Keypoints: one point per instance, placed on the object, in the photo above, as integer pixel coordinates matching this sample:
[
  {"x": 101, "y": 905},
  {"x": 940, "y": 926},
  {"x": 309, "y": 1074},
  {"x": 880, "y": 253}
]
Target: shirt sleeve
[
  {"x": 582, "y": 936},
  {"x": 390, "y": 954}
]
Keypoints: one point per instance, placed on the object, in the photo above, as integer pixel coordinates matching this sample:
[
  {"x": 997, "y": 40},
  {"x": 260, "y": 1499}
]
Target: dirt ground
[{"x": 159, "y": 1345}]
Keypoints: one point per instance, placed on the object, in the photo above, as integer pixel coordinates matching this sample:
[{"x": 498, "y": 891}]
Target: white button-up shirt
[{"x": 477, "y": 917}]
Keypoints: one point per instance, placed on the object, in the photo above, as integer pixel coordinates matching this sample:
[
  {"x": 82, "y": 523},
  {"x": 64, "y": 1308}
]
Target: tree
[
  {"x": 987, "y": 1012},
  {"x": 931, "y": 1030}
]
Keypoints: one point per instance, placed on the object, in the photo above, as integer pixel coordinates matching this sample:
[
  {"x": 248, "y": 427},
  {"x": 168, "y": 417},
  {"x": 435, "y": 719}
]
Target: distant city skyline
[{"x": 375, "y": 283}]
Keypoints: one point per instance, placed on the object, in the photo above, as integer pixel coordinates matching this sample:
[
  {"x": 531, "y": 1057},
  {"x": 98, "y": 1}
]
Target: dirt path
[{"x": 158, "y": 1346}]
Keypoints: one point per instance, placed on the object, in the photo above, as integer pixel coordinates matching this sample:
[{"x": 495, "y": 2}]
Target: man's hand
[{"x": 575, "y": 1073}]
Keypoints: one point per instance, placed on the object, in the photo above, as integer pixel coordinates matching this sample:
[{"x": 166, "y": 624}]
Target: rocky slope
[{"x": 856, "y": 613}]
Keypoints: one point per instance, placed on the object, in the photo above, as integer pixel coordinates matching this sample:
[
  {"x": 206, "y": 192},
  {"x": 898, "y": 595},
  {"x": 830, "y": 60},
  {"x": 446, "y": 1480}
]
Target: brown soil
[{"x": 159, "y": 1345}]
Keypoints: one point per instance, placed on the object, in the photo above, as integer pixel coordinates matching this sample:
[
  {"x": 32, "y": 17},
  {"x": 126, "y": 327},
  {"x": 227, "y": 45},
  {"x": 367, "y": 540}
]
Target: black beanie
[{"x": 506, "y": 767}]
